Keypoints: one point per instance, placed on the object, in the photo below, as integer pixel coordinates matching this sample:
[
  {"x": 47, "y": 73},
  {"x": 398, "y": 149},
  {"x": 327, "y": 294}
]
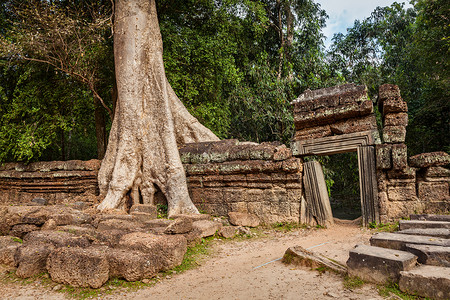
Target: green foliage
[
  {"x": 162, "y": 211},
  {"x": 352, "y": 283},
  {"x": 384, "y": 227},
  {"x": 392, "y": 289}
]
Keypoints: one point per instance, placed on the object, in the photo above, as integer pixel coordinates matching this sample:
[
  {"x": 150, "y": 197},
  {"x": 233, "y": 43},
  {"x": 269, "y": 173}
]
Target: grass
[
  {"x": 353, "y": 282},
  {"x": 287, "y": 226},
  {"x": 381, "y": 227},
  {"x": 393, "y": 289}
]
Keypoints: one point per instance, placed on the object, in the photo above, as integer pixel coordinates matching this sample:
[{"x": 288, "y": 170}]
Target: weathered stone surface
[
  {"x": 405, "y": 173},
  {"x": 399, "y": 157},
  {"x": 431, "y": 159},
  {"x": 430, "y": 217},
  {"x": 312, "y": 132},
  {"x": 408, "y": 224},
  {"x": 110, "y": 238},
  {"x": 433, "y": 191},
  {"x": 395, "y": 119},
  {"x": 354, "y": 125},
  {"x": 195, "y": 217},
  {"x": 49, "y": 225},
  {"x": 427, "y": 281},
  {"x": 205, "y": 228},
  {"x": 394, "y": 105},
  {"x": 142, "y": 216},
  {"x": 436, "y": 232},
  {"x": 56, "y": 238},
  {"x": 394, "y": 134},
  {"x": 20, "y": 230},
  {"x": 430, "y": 255},
  {"x": 398, "y": 241},
  {"x": 39, "y": 201},
  {"x": 228, "y": 232},
  {"x": 402, "y": 209},
  {"x": 383, "y": 156},
  {"x": 131, "y": 265},
  {"x": 180, "y": 225},
  {"x": 83, "y": 267},
  {"x": 401, "y": 192},
  {"x": 119, "y": 224},
  {"x": 379, "y": 265},
  {"x": 8, "y": 247},
  {"x": 145, "y": 208},
  {"x": 167, "y": 250},
  {"x": 436, "y": 174},
  {"x": 388, "y": 91},
  {"x": 243, "y": 219},
  {"x": 299, "y": 256},
  {"x": 32, "y": 259}
]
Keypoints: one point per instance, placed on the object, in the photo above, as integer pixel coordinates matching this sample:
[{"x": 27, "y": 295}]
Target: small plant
[
  {"x": 388, "y": 227},
  {"x": 287, "y": 226},
  {"x": 162, "y": 211},
  {"x": 393, "y": 289},
  {"x": 352, "y": 283},
  {"x": 16, "y": 239}
]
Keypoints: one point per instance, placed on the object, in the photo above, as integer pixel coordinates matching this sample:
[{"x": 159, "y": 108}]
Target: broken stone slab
[
  {"x": 145, "y": 208},
  {"x": 20, "y": 230},
  {"x": 205, "y": 228},
  {"x": 426, "y": 281},
  {"x": 8, "y": 247},
  {"x": 119, "y": 224},
  {"x": 228, "y": 232},
  {"x": 131, "y": 265},
  {"x": 142, "y": 216},
  {"x": 56, "y": 238},
  {"x": 109, "y": 238},
  {"x": 430, "y": 159},
  {"x": 436, "y": 232},
  {"x": 398, "y": 241},
  {"x": 193, "y": 217},
  {"x": 80, "y": 267},
  {"x": 243, "y": 219},
  {"x": 32, "y": 259},
  {"x": 430, "y": 217},
  {"x": 167, "y": 251},
  {"x": 299, "y": 256},
  {"x": 407, "y": 224},
  {"x": 394, "y": 134},
  {"x": 379, "y": 265},
  {"x": 430, "y": 255},
  {"x": 179, "y": 226}
]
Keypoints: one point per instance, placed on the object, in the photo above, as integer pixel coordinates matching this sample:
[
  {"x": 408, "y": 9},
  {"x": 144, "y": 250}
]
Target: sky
[{"x": 342, "y": 13}]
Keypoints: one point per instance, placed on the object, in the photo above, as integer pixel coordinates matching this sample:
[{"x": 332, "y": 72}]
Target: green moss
[{"x": 353, "y": 282}]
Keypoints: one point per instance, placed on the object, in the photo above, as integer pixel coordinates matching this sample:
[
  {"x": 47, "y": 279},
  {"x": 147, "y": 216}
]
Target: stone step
[
  {"x": 407, "y": 224},
  {"x": 379, "y": 265},
  {"x": 429, "y": 217},
  {"x": 436, "y": 232},
  {"x": 398, "y": 241},
  {"x": 426, "y": 281},
  {"x": 430, "y": 255}
]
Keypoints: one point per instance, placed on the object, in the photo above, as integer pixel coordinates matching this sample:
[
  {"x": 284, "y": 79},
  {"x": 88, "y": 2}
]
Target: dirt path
[{"x": 249, "y": 269}]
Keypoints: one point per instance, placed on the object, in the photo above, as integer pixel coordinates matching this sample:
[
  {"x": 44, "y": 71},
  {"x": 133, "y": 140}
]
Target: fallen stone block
[
  {"x": 206, "y": 228},
  {"x": 228, "y": 232},
  {"x": 436, "y": 232},
  {"x": 131, "y": 265},
  {"x": 32, "y": 259},
  {"x": 109, "y": 238},
  {"x": 20, "y": 230},
  {"x": 407, "y": 224},
  {"x": 430, "y": 255},
  {"x": 430, "y": 159},
  {"x": 56, "y": 238},
  {"x": 119, "y": 224},
  {"x": 145, "y": 208},
  {"x": 179, "y": 226},
  {"x": 243, "y": 219},
  {"x": 430, "y": 217},
  {"x": 8, "y": 247},
  {"x": 142, "y": 216},
  {"x": 398, "y": 241},
  {"x": 167, "y": 251},
  {"x": 78, "y": 267},
  {"x": 194, "y": 217},
  {"x": 426, "y": 281},
  {"x": 301, "y": 257},
  {"x": 379, "y": 265}
]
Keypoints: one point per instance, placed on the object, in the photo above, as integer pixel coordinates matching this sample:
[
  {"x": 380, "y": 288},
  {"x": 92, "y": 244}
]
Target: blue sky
[{"x": 342, "y": 13}]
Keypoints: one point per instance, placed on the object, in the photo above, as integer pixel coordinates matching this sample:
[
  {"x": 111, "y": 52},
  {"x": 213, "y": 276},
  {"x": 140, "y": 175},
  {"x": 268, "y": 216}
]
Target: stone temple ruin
[
  {"x": 50, "y": 205},
  {"x": 272, "y": 181}
]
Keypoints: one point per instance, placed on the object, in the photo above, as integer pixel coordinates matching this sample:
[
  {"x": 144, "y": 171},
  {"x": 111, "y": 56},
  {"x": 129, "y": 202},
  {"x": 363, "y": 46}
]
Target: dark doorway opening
[{"x": 341, "y": 171}]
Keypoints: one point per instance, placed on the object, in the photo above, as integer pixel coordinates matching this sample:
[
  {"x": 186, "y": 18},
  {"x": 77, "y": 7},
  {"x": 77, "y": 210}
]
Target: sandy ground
[{"x": 247, "y": 269}]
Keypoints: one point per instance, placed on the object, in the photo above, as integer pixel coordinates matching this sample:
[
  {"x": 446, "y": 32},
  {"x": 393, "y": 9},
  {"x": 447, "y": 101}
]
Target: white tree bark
[{"x": 149, "y": 119}]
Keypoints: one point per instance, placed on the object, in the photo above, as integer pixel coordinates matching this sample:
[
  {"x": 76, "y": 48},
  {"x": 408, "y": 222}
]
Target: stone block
[
  {"x": 401, "y": 192},
  {"x": 207, "y": 195},
  {"x": 394, "y": 105},
  {"x": 408, "y": 224},
  {"x": 8, "y": 248},
  {"x": 436, "y": 174},
  {"x": 32, "y": 259},
  {"x": 388, "y": 91},
  {"x": 379, "y": 265},
  {"x": 426, "y": 281},
  {"x": 56, "y": 238},
  {"x": 395, "y": 119},
  {"x": 20, "y": 230},
  {"x": 167, "y": 251},
  {"x": 430, "y": 255},
  {"x": 119, "y": 224},
  {"x": 80, "y": 267},
  {"x": 228, "y": 232},
  {"x": 430, "y": 217},
  {"x": 383, "y": 156},
  {"x": 145, "y": 208},
  {"x": 179, "y": 226},
  {"x": 402, "y": 209},
  {"x": 394, "y": 134},
  {"x": 131, "y": 265},
  {"x": 402, "y": 175},
  {"x": 399, "y": 156},
  {"x": 398, "y": 241},
  {"x": 436, "y": 232},
  {"x": 312, "y": 132},
  {"x": 142, "y": 216},
  {"x": 431, "y": 159},
  {"x": 354, "y": 125},
  {"x": 243, "y": 219},
  {"x": 206, "y": 228},
  {"x": 433, "y": 191}
]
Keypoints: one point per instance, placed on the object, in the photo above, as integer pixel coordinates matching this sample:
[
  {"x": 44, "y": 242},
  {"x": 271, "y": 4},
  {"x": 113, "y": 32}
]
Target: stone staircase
[{"x": 417, "y": 257}]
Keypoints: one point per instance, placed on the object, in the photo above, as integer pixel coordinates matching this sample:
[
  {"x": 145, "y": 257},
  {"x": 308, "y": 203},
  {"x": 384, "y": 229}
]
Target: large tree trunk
[{"x": 149, "y": 118}]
